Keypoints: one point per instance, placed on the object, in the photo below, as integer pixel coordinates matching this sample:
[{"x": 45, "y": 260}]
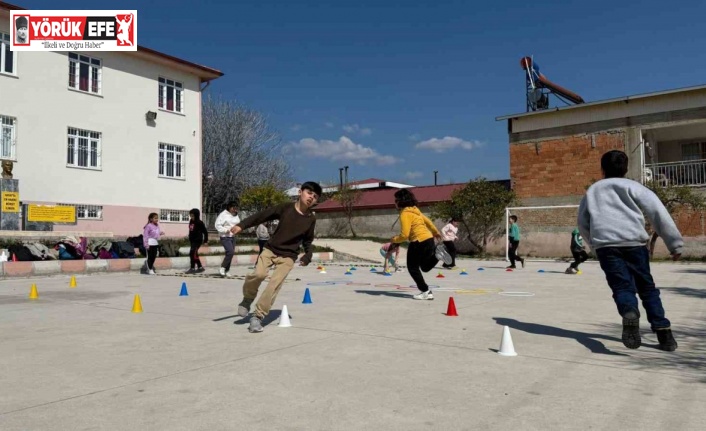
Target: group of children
[{"x": 611, "y": 217}]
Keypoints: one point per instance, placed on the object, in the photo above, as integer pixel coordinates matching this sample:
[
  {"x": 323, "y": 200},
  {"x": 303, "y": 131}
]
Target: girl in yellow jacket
[{"x": 423, "y": 254}]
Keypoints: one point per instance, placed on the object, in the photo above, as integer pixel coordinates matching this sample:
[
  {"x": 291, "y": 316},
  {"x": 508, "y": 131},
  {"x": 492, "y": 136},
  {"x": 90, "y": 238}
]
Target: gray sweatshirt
[{"x": 612, "y": 214}]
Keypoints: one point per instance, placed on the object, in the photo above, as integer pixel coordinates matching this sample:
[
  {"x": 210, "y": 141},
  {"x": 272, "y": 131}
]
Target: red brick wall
[
  {"x": 563, "y": 167},
  {"x": 691, "y": 223}
]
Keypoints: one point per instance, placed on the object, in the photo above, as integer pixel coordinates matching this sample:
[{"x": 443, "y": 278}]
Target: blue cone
[
  {"x": 307, "y": 297},
  {"x": 481, "y": 269},
  {"x": 353, "y": 268},
  {"x": 349, "y": 273},
  {"x": 388, "y": 274},
  {"x": 183, "y": 290},
  {"x": 373, "y": 270},
  {"x": 541, "y": 270}
]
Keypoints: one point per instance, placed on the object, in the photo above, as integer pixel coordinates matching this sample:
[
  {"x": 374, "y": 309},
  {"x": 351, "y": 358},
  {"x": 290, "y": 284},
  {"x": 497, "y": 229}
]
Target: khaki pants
[{"x": 253, "y": 280}]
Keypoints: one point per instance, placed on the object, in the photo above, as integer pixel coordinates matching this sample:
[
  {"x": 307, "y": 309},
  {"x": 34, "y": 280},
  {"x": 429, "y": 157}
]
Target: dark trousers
[
  {"x": 194, "y": 255},
  {"x": 229, "y": 245},
  {"x": 420, "y": 257},
  {"x": 627, "y": 270},
  {"x": 152, "y": 256},
  {"x": 512, "y": 253},
  {"x": 580, "y": 257},
  {"x": 261, "y": 243},
  {"x": 451, "y": 247}
]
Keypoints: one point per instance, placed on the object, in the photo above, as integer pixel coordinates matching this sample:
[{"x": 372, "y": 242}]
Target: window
[
  {"x": 87, "y": 212},
  {"x": 693, "y": 151},
  {"x": 171, "y": 161},
  {"x": 7, "y": 57},
  {"x": 7, "y": 137},
  {"x": 85, "y": 73},
  {"x": 175, "y": 216},
  {"x": 84, "y": 149},
  {"x": 171, "y": 95}
]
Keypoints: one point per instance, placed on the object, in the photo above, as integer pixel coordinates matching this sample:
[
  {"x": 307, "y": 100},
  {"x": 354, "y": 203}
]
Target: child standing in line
[
  {"x": 386, "y": 251},
  {"x": 296, "y": 229},
  {"x": 612, "y": 217},
  {"x": 578, "y": 251},
  {"x": 263, "y": 234},
  {"x": 514, "y": 235},
  {"x": 450, "y": 234},
  {"x": 150, "y": 238},
  {"x": 422, "y": 254},
  {"x": 198, "y": 235},
  {"x": 224, "y": 223}
]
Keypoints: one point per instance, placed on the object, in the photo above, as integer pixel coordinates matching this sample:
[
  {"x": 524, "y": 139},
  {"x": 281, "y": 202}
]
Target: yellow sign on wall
[
  {"x": 10, "y": 202},
  {"x": 51, "y": 213}
]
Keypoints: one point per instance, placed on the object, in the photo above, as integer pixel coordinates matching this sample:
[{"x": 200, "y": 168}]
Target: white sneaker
[
  {"x": 424, "y": 296},
  {"x": 228, "y": 275},
  {"x": 222, "y": 272},
  {"x": 152, "y": 272},
  {"x": 442, "y": 254}
]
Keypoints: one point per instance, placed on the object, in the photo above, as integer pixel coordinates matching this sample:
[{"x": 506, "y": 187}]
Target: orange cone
[{"x": 451, "y": 310}]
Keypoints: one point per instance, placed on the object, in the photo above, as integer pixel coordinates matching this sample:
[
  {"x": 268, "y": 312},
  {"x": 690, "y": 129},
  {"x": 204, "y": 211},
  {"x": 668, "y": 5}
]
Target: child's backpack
[
  {"x": 123, "y": 249},
  {"x": 21, "y": 252}
]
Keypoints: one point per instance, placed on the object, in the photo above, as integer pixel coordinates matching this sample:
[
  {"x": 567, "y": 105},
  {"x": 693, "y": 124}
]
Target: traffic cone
[
  {"x": 284, "y": 318},
  {"x": 373, "y": 270},
  {"x": 579, "y": 272},
  {"x": 349, "y": 273},
  {"x": 353, "y": 268},
  {"x": 481, "y": 269},
  {"x": 440, "y": 275},
  {"x": 463, "y": 272},
  {"x": 72, "y": 283},
  {"x": 508, "y": 270},
  {"x": 307, "y": 297},
  {"x": 183, "y": 292},
  {"x": 137, "y": 305},
  {"x": 541, "y": 270},
  {"x": 319, "y": 268},
  {"x": 506, "y": 346},
  {"x": 451, "y": 309},
  {"x": 388, "y": 274},
  {"x": 33, "y": 292},
  {"x": 323, "y": 270}
]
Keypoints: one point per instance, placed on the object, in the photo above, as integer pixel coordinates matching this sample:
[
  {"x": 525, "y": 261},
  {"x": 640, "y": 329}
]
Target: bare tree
[
  {"x": 347, "y": 196},
  {"x": 240, "y": 151}
]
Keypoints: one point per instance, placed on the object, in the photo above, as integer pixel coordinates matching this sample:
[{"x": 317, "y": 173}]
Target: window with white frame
[
  {"x": 84, "y": 149},
  {"x": 87, "y": 212},
  {"x": 85, "y": 73},
  {"x": 174, "y": 216},
  {"x": 7, "y": 137},
  {"x": 171, "y": 161},
  {"x": 7, "y": 57},
  {"x": 171, "y": 95}
]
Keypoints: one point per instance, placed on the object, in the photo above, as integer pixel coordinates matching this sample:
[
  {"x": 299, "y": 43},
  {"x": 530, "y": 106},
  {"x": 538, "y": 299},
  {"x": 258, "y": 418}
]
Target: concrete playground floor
[{"x": 361, "y": 356}]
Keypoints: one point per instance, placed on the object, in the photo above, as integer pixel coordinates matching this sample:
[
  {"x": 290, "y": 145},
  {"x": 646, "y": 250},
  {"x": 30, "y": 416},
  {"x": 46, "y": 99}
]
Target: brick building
[{"x": 555, "y": 154}]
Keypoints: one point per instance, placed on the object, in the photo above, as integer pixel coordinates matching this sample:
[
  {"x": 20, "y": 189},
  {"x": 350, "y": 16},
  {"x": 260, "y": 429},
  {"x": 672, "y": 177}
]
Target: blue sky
[{"x": 398, "y": 89}]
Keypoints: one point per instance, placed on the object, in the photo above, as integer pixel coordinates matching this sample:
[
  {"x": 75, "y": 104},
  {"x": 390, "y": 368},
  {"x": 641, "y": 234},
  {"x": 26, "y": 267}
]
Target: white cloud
[
  {"x": 344, "y": 149},
  {"x": 354, "y": 128},
  {"x": 414, "y": 174},
  {"x": 447, "y": 143},
  {"x": 329, "y": 124},
  {"x": 296, "y": 127}
]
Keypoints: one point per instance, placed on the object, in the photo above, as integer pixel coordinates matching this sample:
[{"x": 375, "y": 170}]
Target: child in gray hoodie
[{"x": 611, "y": 218}]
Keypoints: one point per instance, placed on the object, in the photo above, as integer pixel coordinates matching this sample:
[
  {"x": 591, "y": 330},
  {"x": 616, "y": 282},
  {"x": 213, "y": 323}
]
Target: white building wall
[{"x": 44, "y": 106}]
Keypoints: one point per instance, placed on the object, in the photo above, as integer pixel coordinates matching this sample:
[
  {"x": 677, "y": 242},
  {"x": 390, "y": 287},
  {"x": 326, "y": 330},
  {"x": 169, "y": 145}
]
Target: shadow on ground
[
  {"x": 587, "y": 340},
  {"x": 385, "y": 293}
]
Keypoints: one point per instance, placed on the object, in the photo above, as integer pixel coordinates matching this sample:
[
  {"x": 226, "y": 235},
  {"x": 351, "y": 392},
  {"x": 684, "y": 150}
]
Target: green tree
[
  {"x": 479, "y": 207},
  {"x": 347, "y": 197},
  {"x": 675, "y": 198},
  {"x": 258, "y": 198}
]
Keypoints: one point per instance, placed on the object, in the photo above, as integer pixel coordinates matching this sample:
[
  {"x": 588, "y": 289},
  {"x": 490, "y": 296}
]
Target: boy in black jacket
[
  {"x": 198, "y": 235},
  {"x": 295, "y": 229}
]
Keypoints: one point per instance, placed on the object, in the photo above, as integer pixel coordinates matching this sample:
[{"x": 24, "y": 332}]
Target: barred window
[
  {"x": 83, "y": 149},
  {"x": 171, "y": 161},
  {"x": 171, "y": 95},
  {"x": 87, "y": 212},
  {"x": 7, "y": 137},
  {"x": 174, "y": 216},
  {"x": 85, "y": 73}
]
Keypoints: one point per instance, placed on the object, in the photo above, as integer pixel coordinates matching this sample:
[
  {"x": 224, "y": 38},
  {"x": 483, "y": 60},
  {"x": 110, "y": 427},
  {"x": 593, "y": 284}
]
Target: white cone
[
  {"x": 284, "y": 318},
  {"x": 506, "y": 346}
]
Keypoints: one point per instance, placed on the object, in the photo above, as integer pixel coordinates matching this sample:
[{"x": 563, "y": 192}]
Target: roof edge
[{"x": 605, "y": 102}]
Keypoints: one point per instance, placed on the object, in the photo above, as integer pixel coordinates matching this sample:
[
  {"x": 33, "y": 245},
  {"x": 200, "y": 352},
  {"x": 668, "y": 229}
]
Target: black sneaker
[
  {"x": 190, "y": 271},
  {"x": 201, "y": 269},
  {"x": 522, "y": 261},
  {"x": 511, "y": 267},
  {"x": 666, "y": 340},
  {"x": 631, "y": 329}
]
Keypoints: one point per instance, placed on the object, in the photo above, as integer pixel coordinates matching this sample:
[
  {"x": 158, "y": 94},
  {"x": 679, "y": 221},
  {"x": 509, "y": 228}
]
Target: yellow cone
[
  {"x": 72, "y": 283},
  {"x": 33, "y": 292},
  {"x": 579, "y": 273},
  {"x": 137, "y": 305}
]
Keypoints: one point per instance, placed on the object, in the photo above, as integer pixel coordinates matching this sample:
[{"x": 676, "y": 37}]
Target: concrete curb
[
  {"x": 204, "y": 251},
  {"x": 74, "y": 267}
]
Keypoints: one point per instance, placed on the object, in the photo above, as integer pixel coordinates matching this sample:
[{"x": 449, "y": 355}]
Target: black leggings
[
  {"x": 451, "y": 247},
  {"x": 152, "y": 256},
  {"x": 194, "y": 255},
  {"x": 420, "y": 257},
  {"x": 579, "y": 258}
]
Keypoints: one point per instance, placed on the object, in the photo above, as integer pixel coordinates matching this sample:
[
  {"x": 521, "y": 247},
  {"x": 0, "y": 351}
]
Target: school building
[
  {"x": 115, "y": 134},
  {"x": 555, "y": 155}
]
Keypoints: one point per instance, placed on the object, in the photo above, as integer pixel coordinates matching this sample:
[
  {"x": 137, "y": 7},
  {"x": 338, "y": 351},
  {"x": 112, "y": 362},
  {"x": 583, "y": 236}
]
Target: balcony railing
[{"x": 685, "y": 173}]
